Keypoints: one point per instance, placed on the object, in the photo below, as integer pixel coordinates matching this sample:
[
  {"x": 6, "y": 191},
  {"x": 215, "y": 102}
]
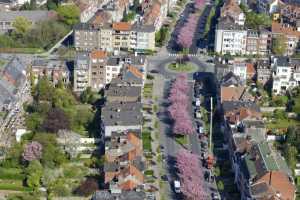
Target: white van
[{"x": 177, "y": 186}]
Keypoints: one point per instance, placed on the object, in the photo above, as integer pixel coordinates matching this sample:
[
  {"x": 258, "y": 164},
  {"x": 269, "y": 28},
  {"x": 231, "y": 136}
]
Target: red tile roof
[
  {"x": 98, "y": 54},
  {"x": 121, "y": 26}
]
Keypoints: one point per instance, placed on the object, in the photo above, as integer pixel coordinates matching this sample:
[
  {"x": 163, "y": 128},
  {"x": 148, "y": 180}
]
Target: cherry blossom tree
[
  {"x": 199, "y": 3},
  {"x": 32, "y": 151},
  {"x": 186, "y": 33},
  {"x": 191, "y": 175},
  {"x": 178, "y": 109}
]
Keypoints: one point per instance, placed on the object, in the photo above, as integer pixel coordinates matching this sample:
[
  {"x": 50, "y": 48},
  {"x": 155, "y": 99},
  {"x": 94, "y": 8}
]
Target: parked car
[
  {"x": 164, "y": 177},
  {"x": 177, "y": 187},
  {"x": 198, "y": 114},
  {"x": 215, "y": 196},
  {"x": 154, "y": 71},
  {"x": 197, "y": 102},
  {"x": 201, "y": 130}
]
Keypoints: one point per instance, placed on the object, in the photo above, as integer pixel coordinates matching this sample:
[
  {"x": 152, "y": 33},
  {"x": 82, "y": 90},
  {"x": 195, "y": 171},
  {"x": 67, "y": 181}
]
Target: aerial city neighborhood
[{"x": 149, "y": 99}]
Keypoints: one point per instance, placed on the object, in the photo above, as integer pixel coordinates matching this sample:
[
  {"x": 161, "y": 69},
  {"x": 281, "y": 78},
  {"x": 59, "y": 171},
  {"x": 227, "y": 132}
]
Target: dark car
[
  {"x": 164, "y": 177},
  {"x": 154, "y": 71}
]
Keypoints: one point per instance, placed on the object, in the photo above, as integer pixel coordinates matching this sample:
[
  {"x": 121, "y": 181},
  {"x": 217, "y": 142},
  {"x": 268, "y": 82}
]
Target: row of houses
[
  {"x": 278, "y": 73},
  {"x": 260, "y": 170},
  {"x": 114, "y": 36},
  {"x": 121, "y": 119},
  {"x": 97, "y": 68},
  {"x": 233, "y": 38}
]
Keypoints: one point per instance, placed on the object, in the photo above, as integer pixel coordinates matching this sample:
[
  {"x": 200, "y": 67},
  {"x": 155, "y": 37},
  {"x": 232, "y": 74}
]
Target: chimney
[{"x": 270, "y": 179}]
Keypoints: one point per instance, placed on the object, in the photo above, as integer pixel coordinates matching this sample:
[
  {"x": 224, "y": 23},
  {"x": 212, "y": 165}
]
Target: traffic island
[{"x": 187, "y": 67}]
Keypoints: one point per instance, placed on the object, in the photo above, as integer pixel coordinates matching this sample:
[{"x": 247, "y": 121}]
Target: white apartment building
[
  {"x": 230, "y": 38},
  {"x": 240, "y": 69},
  {"x": 116, "y": 36},
  {"x": 112, "y": 69},
  {"x": 283, "y": 76},
  {"x": 81, "y": 72}
]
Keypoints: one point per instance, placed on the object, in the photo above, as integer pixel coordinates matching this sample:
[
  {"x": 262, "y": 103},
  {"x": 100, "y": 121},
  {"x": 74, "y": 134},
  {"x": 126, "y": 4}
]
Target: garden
[
  {"x": 38, "y": 166},
  {"x": 29, "y": 38}
]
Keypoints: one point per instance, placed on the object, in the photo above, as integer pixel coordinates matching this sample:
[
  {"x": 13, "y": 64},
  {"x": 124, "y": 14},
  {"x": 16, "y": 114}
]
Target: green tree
[
  {"x": 52, "y": 156},
  {"x": 290, "y": 154},
  {"x": 34, "y": 172},
  {"x": 220, "y": 185},
  {"x": 33, "y": 121},
  {"x": 88, "y": 96},
  {"x": 51, "y": 5},
  {"x": 22, "y": 25},
  {"x": 279, "y": 114},
  {"x": 43, "y": 90},
  {"x": 279, "y": 45},
  {"x": 69, "y": 14},
  {"x": 217, "y": 171}
]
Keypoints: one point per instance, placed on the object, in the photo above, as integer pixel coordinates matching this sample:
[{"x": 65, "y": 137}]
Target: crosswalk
[{"x": 180, "y": 55}]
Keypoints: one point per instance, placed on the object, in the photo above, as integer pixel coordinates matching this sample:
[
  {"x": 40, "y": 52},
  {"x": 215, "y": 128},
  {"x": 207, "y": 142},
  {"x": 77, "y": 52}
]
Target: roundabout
[{"x": 187, "y": 67}]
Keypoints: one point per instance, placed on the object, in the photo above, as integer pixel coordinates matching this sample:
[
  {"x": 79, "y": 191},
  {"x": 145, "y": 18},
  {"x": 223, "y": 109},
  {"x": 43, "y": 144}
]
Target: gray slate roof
[
  {"x": 119, "y": 91},
  {"x": 227, "y": 23},
  {"x": 232, "y": 105},
  {"x": 122, "y": 114},
  {"x": 125, "y": 195}
]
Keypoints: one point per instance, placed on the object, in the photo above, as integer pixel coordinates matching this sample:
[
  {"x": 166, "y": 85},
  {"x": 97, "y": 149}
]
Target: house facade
[
  {"x": 54, "y": 70},
  {"x": 230, "y": 38},
  {"x": 116, "y": 36}
]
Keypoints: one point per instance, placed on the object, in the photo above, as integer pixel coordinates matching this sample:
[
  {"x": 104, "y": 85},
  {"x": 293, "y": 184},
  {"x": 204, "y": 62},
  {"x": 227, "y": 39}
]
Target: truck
[{"x": 177, "y": 186}]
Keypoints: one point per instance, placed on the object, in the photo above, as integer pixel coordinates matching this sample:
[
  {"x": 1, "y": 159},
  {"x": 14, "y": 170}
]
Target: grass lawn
[
  {"x": 2, "y": 63},
  {"x": 187, "y": 67},
  {"x": 181, "y": 139},
  {"x": 296, "y": 107},
  {"x": 15, "y": 185},
  {"x": 282, "y": 124},
  {"x": 146, "y": 137},
  {"x": 11, "y": 173},
  {"x": 148, "y": 90},
  {"x": 21, "y": 50}
]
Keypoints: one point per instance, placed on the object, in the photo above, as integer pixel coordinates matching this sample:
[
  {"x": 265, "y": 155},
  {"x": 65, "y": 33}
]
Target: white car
[
  {"x": 177, "y": 186},
  {"x": 200, "y": 130},
  {"x": 197, "y": 102}
]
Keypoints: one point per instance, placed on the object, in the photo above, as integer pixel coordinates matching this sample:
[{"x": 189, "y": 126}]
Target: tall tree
[
  {"x": 290, "y": 154},
  {"x": 32, "y": 151},
  {"x": 56, "y": 120},
  {"x": 22, "y": 25},
  {"x": 279, "y": 45},
  {"x": 69, "y": 14},
  {"x": 34, "y": 172},
  {"x": 191, "y": 175}
]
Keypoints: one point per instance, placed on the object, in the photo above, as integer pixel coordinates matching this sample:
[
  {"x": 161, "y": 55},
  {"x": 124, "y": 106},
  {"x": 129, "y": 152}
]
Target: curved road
[{"x": 160, "y": 62}]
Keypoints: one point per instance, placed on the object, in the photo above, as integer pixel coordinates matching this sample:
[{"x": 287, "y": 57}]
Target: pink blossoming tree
[
  {"x": 186, "y": 33},
  {"x": 32, "y": 151},
  {"x": 191, "y": 176},
  {"x": 199, "y": 3},
  {"x": 178, "y": 108}
]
